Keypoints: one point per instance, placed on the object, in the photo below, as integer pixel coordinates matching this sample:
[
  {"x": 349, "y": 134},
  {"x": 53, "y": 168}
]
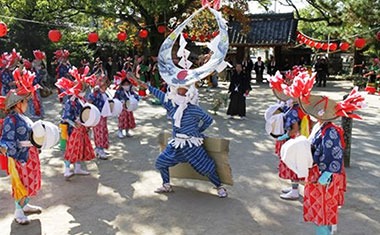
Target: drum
[
  {"x": 116, "y": 107},
  {"x": 132, "y": 104},
  {"x": 89, "y": 115},
  {"x": 44, "y": 134}
]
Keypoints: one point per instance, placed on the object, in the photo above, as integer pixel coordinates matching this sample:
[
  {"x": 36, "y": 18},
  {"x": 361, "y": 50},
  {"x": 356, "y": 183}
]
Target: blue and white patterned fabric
[
  {"x": 328, "y": 150},
  {"x": 291, "y": 117},
  {"x": 16, "y": 128},
  {"x": 6, "y": 79},
  {"x": 122, "y": 95},
  {"x": 196, "y": 156},
  {"x": 63, "y": 70},
  {"x": 97, "y": 99},
  {"x": 71, "y": 111}
]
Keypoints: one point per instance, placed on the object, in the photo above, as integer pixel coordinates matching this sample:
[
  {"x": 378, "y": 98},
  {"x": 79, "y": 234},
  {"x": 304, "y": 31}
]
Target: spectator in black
[
  {"x": 109, "y": 68},
  {"x": 247, "y": 65},
  {"x": 321, "y": 67},
  {"x": 286, "y": 65},
  {"x": 271, "y": 66},
  {"x": 120, "y": 64},
  {"x": 259, "y": 70},
  {"x": 238, "y": 90}
]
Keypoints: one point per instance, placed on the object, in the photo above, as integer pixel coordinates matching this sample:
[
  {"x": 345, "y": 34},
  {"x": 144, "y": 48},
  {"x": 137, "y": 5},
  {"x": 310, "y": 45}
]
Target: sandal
[
  {"x": 21, "y": 218},
  {"x": 166, "y": 188},
  {"x": 30, "y": 209}
]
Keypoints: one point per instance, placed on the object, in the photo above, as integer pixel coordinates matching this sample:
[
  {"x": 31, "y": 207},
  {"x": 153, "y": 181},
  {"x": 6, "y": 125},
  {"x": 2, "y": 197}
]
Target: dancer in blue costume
[{"x": 189, "y": 123}]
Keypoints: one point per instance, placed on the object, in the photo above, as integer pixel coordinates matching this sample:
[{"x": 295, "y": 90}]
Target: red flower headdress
[
  {"x": 39, "y": 55},
  {"x": 351, "y": 103},
  {"x": 71, "y": 87},
  {"x": 24, "y": 82},
  {"x": 120, "y": 77},
  {"x": 10, "y": 59},
  {"x": 295, "y": 84},
  {"x": 61, "y": 55},
  {"x": 27, "y": 64}
]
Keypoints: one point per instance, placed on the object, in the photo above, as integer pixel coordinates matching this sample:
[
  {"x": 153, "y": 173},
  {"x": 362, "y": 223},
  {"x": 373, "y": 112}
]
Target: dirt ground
[{"x": 118, "y": 197}]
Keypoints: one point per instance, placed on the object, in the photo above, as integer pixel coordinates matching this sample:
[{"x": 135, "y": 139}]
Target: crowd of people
[{"x": 83, "y": 91}]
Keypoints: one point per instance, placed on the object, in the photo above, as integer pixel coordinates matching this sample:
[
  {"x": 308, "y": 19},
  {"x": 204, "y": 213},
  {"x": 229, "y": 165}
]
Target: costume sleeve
[
  {"x": 9, "y": 138},
  {"x": 91, "y": 98},
  {"x": 332, "y": 150},
  {"x": 38, "y": 78},
  {"x": 117, "y": 94},
  {"x": 68, "y": 111},
  {"x": 291, "y": 118},
  {"x": 6, "y": 78},
  {"x": 157, "y": 93},
  {"x": 206, "y": 120}
]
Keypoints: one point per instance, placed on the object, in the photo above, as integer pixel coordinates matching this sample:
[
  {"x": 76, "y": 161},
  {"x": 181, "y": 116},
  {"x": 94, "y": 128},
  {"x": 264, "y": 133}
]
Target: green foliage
[
  {"x": 345, "y": 20},
  {"x": 75, "y": 19}
]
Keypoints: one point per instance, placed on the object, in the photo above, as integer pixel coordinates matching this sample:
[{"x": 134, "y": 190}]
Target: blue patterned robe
[
  {"x": 16, "y": 128},
  {"x": 71, "y": 111},
  {"x": 6, "y": 79},
  {"x": 327, "y": 149}
]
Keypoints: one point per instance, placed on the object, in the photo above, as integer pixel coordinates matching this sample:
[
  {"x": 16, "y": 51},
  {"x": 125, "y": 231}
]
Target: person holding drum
[
  {"x": 126, "y": 95},
  {"x": 23, "y": 160},
  {"x": 326, "y": 182},
  {"x": 99, "y": 98},
  {"x": 79, "y": 147}
]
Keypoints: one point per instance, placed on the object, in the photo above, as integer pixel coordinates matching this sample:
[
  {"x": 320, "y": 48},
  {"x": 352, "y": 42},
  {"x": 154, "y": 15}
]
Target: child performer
[
  {"x": 99, "y": 98},
  {"x": 79, "y": 146},
  {"x": 124, "y": 93},
  {"x": 326, "y": 183},
  {"x": 23, "y": 160}
]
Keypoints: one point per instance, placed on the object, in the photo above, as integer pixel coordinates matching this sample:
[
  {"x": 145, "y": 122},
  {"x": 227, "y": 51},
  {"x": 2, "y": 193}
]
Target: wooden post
[{"x": 347, "y": 136}]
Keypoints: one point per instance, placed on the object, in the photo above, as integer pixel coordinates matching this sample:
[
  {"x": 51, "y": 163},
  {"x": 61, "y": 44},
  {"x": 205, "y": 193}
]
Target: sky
[{"x": 255, "y": 8}]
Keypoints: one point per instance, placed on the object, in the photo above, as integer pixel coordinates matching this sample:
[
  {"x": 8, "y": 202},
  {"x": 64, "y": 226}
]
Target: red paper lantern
[
  {"x": 333, "y": 46},
  {"x": 344, "y": 46},
  {"x": 215, "y": 33},
  {"x": 318, "y": 45},
  {"x": 312, "y": 44},
  {"x": 122, "y": 36},
  {"x": 3, "y": 29},
  {"x": 143, "y": 33},
  {"x": 325, "y": 46},
  {"x": 202, "y": 38},
  {"x": 93, "y": 37},
  {"x": 360, "y": 42},
  {"x": 186, "y": 35},
  {"x": 54, "y": 35},
  {"x": 161, "y": 29},
  {"x": 378, "y": 36}
]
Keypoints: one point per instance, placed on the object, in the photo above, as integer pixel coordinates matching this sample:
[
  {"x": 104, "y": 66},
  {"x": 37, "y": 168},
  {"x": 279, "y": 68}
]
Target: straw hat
[
  {"x": 320, "y": 107},
  {"x": 24, "y": 82},
  {"x": 281, "y": 96}
]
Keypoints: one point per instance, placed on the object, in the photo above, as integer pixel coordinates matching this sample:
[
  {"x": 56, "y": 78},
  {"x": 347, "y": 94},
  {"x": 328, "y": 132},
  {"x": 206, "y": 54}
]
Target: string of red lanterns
[
  {"x": 359, "y": 43},
  {"x": 3, "y": 29}
]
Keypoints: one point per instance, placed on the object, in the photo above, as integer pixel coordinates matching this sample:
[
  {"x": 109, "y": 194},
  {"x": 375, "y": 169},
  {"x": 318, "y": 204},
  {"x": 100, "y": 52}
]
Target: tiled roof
[{"x": 265, "y": 30}]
